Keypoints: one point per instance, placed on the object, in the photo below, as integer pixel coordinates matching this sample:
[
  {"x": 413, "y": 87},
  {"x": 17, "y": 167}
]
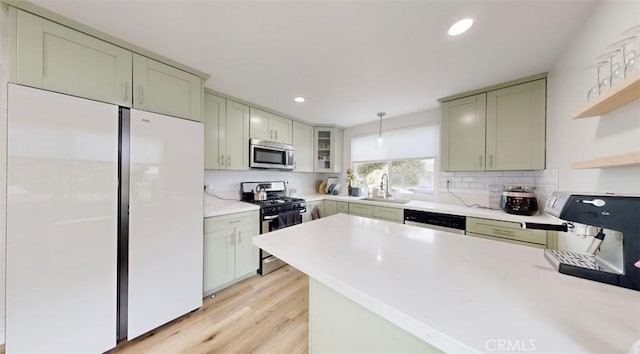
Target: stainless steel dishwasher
[{"x": 436, "y": 221}]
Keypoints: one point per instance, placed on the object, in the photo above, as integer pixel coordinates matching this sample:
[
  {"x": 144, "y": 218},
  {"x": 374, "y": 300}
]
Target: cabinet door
[
  {"x": 282, "y": 129},
  {"x": 516, "y": 127},
  {"x": 259, "y": 125},
  {"x": 247, "y": 255},
  {"x": 164, "y": 89},
  {"x": 215, "y": 111},
  {"x": 323, "y": 154},
  {"x": 343, "y": 207},
  {"x": 463, "y": 134},
  {"x": 330, "y": 207},
  {"x": 57, "y": 58},
  {"x": 237, "y": 136},
  {"x": 303, "y": 144},
  {"x": 360, "y": 210},
  {"x": 219, "y": 258}
]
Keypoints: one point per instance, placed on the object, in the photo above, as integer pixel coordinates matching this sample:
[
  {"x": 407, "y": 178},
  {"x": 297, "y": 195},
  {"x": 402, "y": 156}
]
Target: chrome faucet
[{"x": 386, "y": 191}]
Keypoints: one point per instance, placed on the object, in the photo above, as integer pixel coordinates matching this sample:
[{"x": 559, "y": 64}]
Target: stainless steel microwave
[{"x": 270, "y": 154}]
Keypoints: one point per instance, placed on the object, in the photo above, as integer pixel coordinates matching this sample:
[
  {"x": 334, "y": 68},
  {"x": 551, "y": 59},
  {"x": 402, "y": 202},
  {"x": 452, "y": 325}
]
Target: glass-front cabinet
[{"x": 327, "y": 149}]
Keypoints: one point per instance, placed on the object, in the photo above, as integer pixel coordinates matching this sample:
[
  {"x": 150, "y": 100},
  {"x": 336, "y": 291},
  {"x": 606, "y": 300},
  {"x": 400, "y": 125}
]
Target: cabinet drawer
[
  {"x": 343, "y": 207},
  {"x": 388, "y": 213},
  {"x": 389, "y": 220},
  {"x": 505, "y": 230},
  {"x": 507, "y": 240},
  {"x": 361, "y": 210},
  {"x": 232, "y": 220}
]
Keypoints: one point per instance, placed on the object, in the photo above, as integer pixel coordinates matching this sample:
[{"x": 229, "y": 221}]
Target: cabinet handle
[
  {"x": 221, "y": 162},
  {"x": 480, "y": 160},
  {"x": 228, "y": 160},
  {"x": 140, "y": 94},
  {"x": 124, "y": 91},
  {"x": 271, "y": 134},
  {"x": 239, "y": 237},
  {"x": 233, "y": 239},
  {"x": 490, "y": 160},
  {"x": 276, "y": 135}
]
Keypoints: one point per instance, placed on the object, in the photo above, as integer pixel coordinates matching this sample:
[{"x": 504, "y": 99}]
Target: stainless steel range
[{"x": 277, "y": 211}]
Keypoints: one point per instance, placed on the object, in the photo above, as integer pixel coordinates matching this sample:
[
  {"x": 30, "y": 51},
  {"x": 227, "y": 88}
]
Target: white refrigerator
[{"x": 104, "y": 221}]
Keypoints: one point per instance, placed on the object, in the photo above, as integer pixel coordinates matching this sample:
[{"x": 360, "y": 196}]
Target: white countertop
[
  {"x": 216, "y": 207},
  {"x": 458, "y": 292},
  {"x": 442, "y": 208}
]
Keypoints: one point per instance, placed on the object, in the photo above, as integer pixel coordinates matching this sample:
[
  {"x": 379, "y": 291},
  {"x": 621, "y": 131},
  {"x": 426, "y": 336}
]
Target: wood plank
[
  {"x": 614, "y": 98},
  {"x": 621, "y": 160}
]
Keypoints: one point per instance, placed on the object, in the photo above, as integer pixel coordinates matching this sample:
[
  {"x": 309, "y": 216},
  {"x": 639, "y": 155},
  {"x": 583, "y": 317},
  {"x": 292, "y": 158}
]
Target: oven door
[{"x": 271, "y": 223}]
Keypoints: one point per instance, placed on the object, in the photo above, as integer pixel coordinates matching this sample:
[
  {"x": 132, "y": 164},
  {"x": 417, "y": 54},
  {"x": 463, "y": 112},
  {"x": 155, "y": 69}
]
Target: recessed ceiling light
[
  {"x": 460, "y": 27},
  {"x": 299, "y": 99}
]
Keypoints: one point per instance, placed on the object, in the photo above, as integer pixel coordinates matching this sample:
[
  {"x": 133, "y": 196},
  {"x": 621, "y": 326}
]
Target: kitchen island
[{"x": 446, "y": 292}]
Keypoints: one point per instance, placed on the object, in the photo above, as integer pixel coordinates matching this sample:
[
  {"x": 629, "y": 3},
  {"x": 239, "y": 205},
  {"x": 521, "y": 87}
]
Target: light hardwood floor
[{"x": 258, "y": 315}]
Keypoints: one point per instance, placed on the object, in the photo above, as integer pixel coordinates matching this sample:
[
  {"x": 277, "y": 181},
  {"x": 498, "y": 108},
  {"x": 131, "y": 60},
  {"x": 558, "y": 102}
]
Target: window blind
[{"x": 409, "y": 143}]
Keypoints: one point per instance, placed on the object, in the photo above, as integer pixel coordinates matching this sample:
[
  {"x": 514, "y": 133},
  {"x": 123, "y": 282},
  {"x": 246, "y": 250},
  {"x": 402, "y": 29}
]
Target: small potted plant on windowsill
[{"x": 350, "y": 178}]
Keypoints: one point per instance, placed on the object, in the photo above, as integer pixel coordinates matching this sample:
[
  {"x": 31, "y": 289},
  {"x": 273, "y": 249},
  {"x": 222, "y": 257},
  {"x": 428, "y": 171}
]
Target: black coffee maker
[{"x": 614, "y": 223}]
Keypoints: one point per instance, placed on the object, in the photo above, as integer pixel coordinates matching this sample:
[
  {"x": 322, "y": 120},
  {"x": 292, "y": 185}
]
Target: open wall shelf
[
  {"x": 621, "y": 160},
  {"x": 619, "y": 95}
]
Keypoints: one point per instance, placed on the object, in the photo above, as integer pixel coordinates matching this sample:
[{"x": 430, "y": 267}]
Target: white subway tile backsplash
[
  {"x": 226, "y": 184},
  {"x": 491, "y": 183}
]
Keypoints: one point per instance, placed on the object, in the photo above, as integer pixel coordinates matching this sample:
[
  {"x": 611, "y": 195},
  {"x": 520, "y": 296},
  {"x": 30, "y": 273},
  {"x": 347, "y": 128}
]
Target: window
[
  {"x": 407, "y": 156},
  {"x": 412, "y": 176}
]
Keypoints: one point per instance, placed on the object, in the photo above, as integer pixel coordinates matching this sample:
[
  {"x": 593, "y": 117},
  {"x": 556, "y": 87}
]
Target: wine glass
[
  {"x": 608, "y": 59},
  {"x": 629, "y": 57},
  {"x": 597, "y": 89}
]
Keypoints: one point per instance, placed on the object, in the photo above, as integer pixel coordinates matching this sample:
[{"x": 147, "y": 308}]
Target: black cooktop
[{"x": 276, "y": 201}]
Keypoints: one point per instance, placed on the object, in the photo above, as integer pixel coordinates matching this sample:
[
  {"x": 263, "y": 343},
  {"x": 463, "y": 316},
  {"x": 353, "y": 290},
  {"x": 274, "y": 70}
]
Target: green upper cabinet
[
  {"x": 268, "y": 126},
  {"x": 259, "y": 124},
  {"x": 303, "y": 145},
  {"x": 164, "y": 89},
  {"x": 502, "y": 129},
  {"x": 462, "y": 134},
  {"x": 516, "y": 127},
  {"x": 226, "y": 137},
  {"x": 327, "y": 149},
  {"x": 215, "y": 113},
  {"x": 282, "y": 129},
  {"x": 237, "y": 136},
  {"x": 56, "y": 58}
]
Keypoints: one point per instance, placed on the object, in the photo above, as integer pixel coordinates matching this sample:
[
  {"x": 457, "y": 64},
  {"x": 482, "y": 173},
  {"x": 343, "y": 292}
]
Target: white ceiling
[{"x": 350, "y": 59}]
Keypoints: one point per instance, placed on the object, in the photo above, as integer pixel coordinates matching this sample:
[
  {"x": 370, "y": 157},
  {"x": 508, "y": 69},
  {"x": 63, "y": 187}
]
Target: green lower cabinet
[
  {"x": 330, "y": 207},
  {"x": 342, "y": 207},
  {"x": 510, "y": 232},
  {"x": 229, "y": 254},
  {"x": 361, "y": 210}
]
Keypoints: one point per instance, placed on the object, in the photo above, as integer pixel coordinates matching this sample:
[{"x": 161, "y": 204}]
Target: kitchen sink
[{"x": 391, "y": 201}]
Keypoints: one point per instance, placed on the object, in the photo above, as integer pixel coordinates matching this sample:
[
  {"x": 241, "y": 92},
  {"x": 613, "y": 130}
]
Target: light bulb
[{"x": 379, "y": 140}]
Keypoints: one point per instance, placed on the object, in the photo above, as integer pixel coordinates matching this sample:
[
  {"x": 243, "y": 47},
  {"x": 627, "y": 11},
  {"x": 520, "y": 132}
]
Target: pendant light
[{"x": 380, "y": 114}]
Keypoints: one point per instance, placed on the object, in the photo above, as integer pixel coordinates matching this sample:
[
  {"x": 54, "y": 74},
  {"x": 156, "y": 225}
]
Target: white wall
[
  {"x": 4, "y": 75},
  {"x": 583, "y": 139}
]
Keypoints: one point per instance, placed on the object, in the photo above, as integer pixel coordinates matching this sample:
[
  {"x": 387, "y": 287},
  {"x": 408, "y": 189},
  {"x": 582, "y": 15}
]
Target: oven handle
[{"x": 270, "y": 217}]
